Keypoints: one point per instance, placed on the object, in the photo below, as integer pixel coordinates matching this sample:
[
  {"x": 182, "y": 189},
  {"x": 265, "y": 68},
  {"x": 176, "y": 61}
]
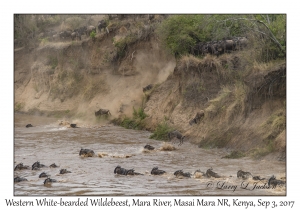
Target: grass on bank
[{"x": 161, "y": 131}]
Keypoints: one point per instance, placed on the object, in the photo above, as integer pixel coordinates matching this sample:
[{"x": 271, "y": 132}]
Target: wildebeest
[
  {"x": 210, "y": 173},
  {"x": 43, "y": 174},
  {"x": 151, "y": 17},
  {"x": 55, "y": 37},
  {"x": 89, "y": 30},
  {"x": 176, "y": 134},
  {"x": 20, "y": 166},
  {"x": 219, "y": 47},
  {"x": 19, "y": 179},
  {"x": 37, "y": 165},
  {"x": 102, "y": 112},
  {"x": 198, "y": 173},
  {"x": 119, "y": 170},
  {"x": 64, "y": 171},
  {"x": 131, "y": 172},
  {"x": 156, "y": 171},
  {"x": 75, "y": 36},
  {"x": 274, "y": 182},
  {"x": 73, "y": 126},
  {"x": 244, "y": 174},
  {"x": 53, "y": 165},
  {"x": 180, "y": 173},
  {"x": 28, "y": 126},
  {"x": 148, "y": 87},
  {"x": 228, "y": 45},
  {"x": 81, "y": 30},
  {"x": 101, "y": 24},
  {"x": 197, "y": 118},
  {"x": 65, "y": 34},
  {"x": 49, "y": 181},
  {"x": 241, "y": 43},
  {"x": 149, "y": 147},
  {"x": 86, "y": 152},
  {"x": 258, "y": 178}
]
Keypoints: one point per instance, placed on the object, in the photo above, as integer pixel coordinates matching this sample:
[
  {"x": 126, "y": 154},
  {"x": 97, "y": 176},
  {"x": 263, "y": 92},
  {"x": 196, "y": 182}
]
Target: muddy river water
[{"x": 48, "y": 143}]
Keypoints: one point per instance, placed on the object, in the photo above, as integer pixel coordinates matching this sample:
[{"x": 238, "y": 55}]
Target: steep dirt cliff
[{"x": 243, "y": 101}]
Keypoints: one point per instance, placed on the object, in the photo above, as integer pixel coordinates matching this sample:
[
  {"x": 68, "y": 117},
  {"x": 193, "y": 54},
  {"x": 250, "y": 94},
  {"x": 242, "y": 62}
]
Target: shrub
[
  {"x": 181, "y": 32},
  {"x": 136, "y": 122},
  {"x": 161, "y": 131},
  {"x": 139, "y": 114},
  {"x": 93, "y": 35}
]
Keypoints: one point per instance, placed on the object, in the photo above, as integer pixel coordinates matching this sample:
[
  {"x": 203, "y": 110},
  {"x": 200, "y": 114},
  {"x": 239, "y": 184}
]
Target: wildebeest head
[
  {"x": 64, "y": 171},
  {"x": 86, "y": 152},
  {"x": 49, "y": 181},
  {"x": 178, "y": 172},
  {"x": 116, "y": 169},
  {"x": 155, "y": 171},
  {"x": 19, "y": 179},
  {"x": 36, "y": 165},
  {"x": 20, "y": 166},
  {"x": 43, "y": 174},
  {"x": 210, "y": 173},
  {"x": 149, "y": 147},
  {"x": 53, "y": 165}
]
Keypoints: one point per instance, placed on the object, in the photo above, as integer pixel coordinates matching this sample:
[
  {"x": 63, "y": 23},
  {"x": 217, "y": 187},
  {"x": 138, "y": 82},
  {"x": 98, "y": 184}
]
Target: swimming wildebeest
[
  {"x": 53, "y": 165},
  {"x": 119, "y": 170},
  {"x": 64, "y": 171},
  {"x": 49, "y": 181},
  {"x": 37, "y": 166},
  {"x": 210, "y": 173},
  {"x": 176, "y": 134},
  {"x": 20, "y": 166},
  {"x": 19, "y": 179},
  {"x": 258, "y": 178},
  {"x": 131, "y": 172},
  {"x": 148, "y": 87},
  {"x": 197, "y": 118},
  {"x": 156, "y": 171},
  {"x": 43, "y": 174},
  {"x": 102, "y": 112},
  {"x": 180, "y": 173},
  {"x": 274, "y": 182},
  {"x": 73, "y": 126},
  {"x": 149, "y": 147},
  {"x": 87, "y": 152},
  {"x": 244, "y": 174},
  {"x": 198, "y": 174},
  {"x": 28, "y": 126}
]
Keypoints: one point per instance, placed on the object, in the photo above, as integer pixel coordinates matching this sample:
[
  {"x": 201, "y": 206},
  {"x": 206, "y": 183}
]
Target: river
[{"x": 48, "y": 143}]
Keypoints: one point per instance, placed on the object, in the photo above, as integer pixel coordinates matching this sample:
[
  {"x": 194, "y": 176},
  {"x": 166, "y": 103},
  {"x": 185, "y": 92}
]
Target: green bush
[
  {"x": 139, "y": 114},
  {"x": 161, "y": 131},
  {"x": 181, "y": 32},
  {"x": 136, "y": 122},
  {"x": 93, "y": 35}
]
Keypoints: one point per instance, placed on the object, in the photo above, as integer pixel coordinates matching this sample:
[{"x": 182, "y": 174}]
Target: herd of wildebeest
[
  {"x": 74, "y": 34},
  {"x": 219, "y": 47},
  {"x": 172, "y": 136},
  {"x": 78, "y": 32},
  {"x": 272, "y": 182}
]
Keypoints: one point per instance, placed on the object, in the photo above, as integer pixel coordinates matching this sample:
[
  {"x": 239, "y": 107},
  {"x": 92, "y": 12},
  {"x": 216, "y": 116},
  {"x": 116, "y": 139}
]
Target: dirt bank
[{"x": 243, "y": 101}]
